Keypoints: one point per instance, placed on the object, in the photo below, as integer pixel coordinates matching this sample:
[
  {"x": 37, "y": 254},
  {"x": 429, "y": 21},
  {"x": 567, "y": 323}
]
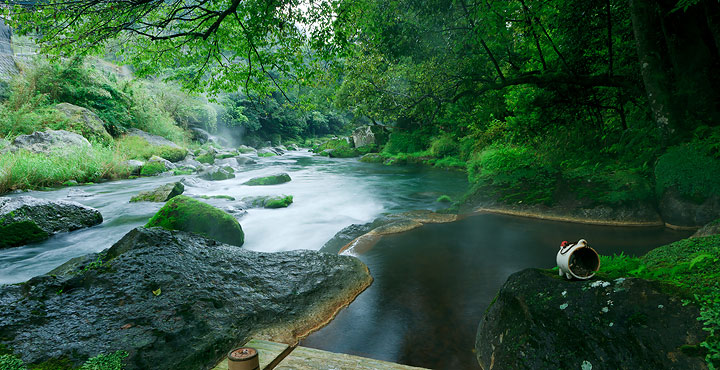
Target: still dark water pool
[{"x": 433, "y": 284}]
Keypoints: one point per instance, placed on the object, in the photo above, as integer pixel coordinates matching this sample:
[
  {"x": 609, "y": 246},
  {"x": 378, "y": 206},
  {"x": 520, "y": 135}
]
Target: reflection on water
[{"x": 433, "y": 284}]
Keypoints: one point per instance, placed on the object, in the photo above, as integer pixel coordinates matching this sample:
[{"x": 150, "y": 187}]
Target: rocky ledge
[
  {"x": 540, "y": 321},
  {"x": 26, "y": 219},
  {"x": 174, "y": 300}
]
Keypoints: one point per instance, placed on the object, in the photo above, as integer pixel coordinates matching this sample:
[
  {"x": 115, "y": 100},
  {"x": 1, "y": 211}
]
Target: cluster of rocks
[{"x": 175, "y": 294}]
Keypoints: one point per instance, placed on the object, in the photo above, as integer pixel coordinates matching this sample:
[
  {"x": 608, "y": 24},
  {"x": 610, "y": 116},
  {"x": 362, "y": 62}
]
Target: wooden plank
[
  {"x": 303, "y": 358},
  {"x": 267, "y": 351}
]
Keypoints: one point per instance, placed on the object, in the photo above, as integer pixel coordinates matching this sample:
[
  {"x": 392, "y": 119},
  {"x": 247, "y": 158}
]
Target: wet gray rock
[
  {"x": 215, "y": 173},
  {"x": 26, "y": 219},
  {"x": 713, "y": 228},
  {"x": 84, "y": 121},
  {"x": 49, "y": 141},
  {"x": 200, "y": 135},
  {"x": 174, "y": 300},
  {"x": 242, "y": 160},
  {"x": 676, "y": 210},
  {"x": 134, "y": 165},
  {"x": 232, "y": 162},
  {"x": 540, "y": 321},
  {"x": 160, "y": 194},
  {"x": 266, "y": 151}
]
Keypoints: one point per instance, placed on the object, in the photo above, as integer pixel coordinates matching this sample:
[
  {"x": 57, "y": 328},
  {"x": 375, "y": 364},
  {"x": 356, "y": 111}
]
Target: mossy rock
[
  {"x": 187, "y": 214},
  {"x": 160, "y": 194},
  {"x": 277, "y": 201},
  {"x": 207, "y": 158},
  {"x": 218, "y": 173},
  {"x": 269, "y": 180},
  {"x": 344, "y": 153},
  {"x": 372, "y": 158},
  {"x": 152, "y": 168},
  {"x": 267, "y": 154}
]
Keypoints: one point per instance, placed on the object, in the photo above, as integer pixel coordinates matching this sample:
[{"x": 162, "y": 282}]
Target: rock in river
[
  {"x": 540, "y": 321},
  {"x": 160, "y": 194},
  {"x": 26, "y": 219},
  {"x": 269, "y": 180},
  {"x": 187, "y": 214},
  {"x": 174, "y": 300}
]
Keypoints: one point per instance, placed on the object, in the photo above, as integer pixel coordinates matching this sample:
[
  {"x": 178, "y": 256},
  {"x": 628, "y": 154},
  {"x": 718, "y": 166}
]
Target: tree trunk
[{"x": 654, "y": 64}]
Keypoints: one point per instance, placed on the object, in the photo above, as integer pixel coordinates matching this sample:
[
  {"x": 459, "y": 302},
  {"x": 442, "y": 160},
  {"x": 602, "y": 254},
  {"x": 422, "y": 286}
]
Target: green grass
[
  {"x": 113, "y": 361},
  {"x": 138, "y": 148}
]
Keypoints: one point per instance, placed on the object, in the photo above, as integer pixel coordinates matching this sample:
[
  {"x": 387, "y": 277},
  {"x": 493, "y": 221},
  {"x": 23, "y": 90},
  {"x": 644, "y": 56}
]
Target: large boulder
[
  {"x": 541, "y": 321},
  {"x": 369, "y": 135},
  {"x": 269, "y": 180},
  {"x": 160, "y": 194},
  {"x": 187, "y": 214},
  {"x": 49, "y": 141},
  {"x": 174, "y": 300},
  {"x": 679, "y": 211},
  {"x": 26, "y": 219},
  {"x": 712, "y": 228},
  {"x": 85, "y": 122}
]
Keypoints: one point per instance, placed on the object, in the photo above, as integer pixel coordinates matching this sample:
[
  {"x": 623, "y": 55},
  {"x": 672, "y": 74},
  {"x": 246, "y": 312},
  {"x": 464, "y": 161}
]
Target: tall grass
[{"x": 27, "y": 170}]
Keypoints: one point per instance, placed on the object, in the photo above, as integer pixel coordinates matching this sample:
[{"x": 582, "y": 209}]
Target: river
[{"x": 432, "y": 284}]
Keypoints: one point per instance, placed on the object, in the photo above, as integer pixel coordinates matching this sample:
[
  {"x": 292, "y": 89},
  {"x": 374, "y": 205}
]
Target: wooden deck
[{"x": 302, "y": 358}]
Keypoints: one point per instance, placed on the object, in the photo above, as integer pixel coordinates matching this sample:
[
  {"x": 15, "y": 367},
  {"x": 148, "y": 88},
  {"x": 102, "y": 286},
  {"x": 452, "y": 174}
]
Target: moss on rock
[
  {"x": 269, "y": 180},
  {"x": 152, "y": 169},
  {"x": 187, "y": 214},
  {"x": 279, "y": 201},
  {"x": 160, "y": 194}
]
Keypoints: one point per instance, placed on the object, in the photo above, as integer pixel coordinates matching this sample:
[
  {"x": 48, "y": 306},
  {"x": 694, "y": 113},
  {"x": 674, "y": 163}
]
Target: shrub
[
  {"x": 693, "y": 173},
  {"x": 515, "y": 173},
  {"x": 9, "y": 362},
  {"x": 444, "y": 146},
  {"x": 405, "y": 142},
  {"x": 113, "y": 361}
]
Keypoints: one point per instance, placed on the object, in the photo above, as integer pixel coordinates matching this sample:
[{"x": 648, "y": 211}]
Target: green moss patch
[
  {"x": 268, "y": 154},
  {"x": 269, "y": 180},
  {"x": 152, "y": 168},
  {"x": 279, "y": 202},
  {"x": 207, "y": 158},
  {"x": 187, "y": 214},
  {"x": 18, "y": 233}
]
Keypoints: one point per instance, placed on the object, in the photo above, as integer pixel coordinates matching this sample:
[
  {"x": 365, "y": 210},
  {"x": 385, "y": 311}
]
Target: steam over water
[{"x": 432, "y": 284}]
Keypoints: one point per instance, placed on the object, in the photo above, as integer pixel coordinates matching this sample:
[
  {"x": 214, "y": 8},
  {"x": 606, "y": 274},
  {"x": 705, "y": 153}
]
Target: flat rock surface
[
  {"x": 540, "y": 321},
  {"x": 174, "y": 300}
]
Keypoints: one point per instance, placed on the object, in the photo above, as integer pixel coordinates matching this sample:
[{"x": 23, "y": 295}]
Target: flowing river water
[{"x": 432, "y": 284}]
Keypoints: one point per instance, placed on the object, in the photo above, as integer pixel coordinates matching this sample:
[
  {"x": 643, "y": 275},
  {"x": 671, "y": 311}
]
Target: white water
[{"x": 329, "y": 194}]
